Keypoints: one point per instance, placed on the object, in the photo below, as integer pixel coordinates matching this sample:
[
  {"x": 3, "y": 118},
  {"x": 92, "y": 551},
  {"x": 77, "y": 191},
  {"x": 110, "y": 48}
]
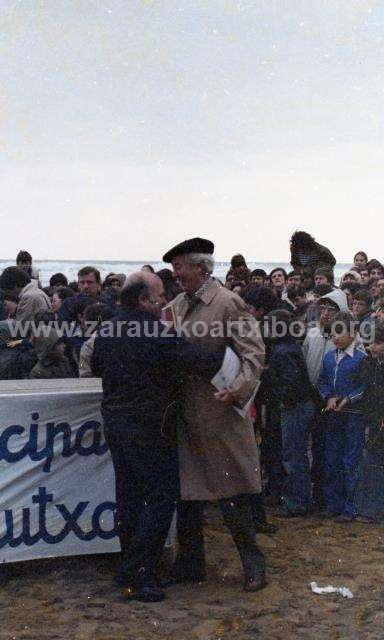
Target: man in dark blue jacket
[{"x": 142, "y": 369}]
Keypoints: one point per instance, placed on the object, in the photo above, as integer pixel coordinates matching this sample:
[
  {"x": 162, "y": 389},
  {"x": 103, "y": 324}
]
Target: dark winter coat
[
  {"x": 46, "y": 368},
  {"x": 288, "y": 375},
  {"x": 372, "y": 376},
  {"x": 141, "y": 374},
  {"x": 16, "y": 361}
]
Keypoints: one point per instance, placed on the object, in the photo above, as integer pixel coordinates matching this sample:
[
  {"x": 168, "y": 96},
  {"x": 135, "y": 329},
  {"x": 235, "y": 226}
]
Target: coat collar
[
  {"x": 349, "y": 351},
  {"x": 209, "y": 292},
  {"x": 29, "y": 287}
]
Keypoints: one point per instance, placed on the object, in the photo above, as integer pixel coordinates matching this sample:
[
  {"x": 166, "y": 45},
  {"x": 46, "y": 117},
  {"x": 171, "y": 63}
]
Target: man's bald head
[
  {"x": 153, "y": 284},
  {"x": 142, "y": 277}
]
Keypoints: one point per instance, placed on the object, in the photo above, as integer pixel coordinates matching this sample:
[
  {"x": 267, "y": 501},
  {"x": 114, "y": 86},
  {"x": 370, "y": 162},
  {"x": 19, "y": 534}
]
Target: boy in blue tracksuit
[{"x": 341, "y": 386}]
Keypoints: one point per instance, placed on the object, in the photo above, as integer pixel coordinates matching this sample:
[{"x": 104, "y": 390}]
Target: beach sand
[{"x": 72, "y": 598}]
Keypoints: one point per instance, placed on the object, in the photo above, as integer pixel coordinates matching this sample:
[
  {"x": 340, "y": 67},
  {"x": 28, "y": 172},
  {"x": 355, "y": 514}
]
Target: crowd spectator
[
  {"x": 52, "y": 362},
  {"x": 58, "y": 280},
  {"x": 31, "y": 299},
  {"x": 360, "y": 261},
  {"x": 24, "y": 262},
  {"x": 291, "y": 387},
  {"x": 341, "y": 387},
  {"x": 307, "y": 254}
]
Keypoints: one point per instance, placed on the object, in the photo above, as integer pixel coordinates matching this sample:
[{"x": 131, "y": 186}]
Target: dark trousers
[
  {"x": 318, "y": 457},
  {"x": 238, "y": 517},
  {"x": 370, "y": 492},
  {"x": 344, "y": 443},
  {"x": 258, "y": 510},
  {"x": 295, "y": 424},
  {"x": 271, "y": 451},
  {"x": 147, "y": 489}
]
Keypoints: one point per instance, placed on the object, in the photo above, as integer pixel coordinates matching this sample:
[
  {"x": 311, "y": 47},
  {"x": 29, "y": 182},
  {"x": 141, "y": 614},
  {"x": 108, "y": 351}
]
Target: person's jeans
[
  {"x": 318, "y": 424},
  {"x": 295, "y": 425},
  {"x": 344, "y": 444}
]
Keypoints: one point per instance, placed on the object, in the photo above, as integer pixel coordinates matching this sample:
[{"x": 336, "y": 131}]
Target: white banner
[{"x": 56, "y": 475}]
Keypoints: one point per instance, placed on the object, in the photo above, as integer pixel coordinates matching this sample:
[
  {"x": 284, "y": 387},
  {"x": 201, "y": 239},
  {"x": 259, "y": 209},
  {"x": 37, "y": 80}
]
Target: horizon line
[{"x": 149, "y": 261}]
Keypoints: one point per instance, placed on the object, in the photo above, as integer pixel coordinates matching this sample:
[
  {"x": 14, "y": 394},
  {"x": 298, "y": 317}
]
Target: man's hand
[
  {"x": 225, "y": 396},
  {"x": 332, "y": 404},
  {"x": 344, "y": 402}
]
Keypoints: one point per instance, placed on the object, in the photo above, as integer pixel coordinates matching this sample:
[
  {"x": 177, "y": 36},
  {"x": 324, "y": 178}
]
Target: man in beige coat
[
  {"x": 31, "y": 298},
  {"x": 218, "y": 455}
]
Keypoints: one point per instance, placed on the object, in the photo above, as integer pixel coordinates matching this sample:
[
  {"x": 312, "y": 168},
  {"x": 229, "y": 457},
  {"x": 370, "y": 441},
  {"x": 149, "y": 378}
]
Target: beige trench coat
[{"x": 218, "y": 454}]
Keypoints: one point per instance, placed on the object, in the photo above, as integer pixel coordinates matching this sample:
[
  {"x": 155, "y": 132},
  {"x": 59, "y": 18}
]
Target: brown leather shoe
[{"x": 256, "y": 583}]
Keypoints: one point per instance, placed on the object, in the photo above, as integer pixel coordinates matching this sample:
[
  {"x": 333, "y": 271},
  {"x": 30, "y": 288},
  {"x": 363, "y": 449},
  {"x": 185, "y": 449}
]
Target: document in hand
[{"x": 228, "y": 373}]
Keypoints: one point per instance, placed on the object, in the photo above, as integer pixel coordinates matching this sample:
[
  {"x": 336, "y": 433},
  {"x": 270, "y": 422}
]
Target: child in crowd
[
  {"x": 374, "y": 290},
  {"x": 340, "y": 385},
  {"x": 317, "y": 343},
  {"x": 350, "y": 276},
  {"x": 297, "y": 296},
  {"x": 350, "y": 289},
  {"x": 375, "y": 269},
  {"x": 52, "y": 362},
  {"x": 258, "y": 277},
  {"x": 261, "y": 301},
  {"x": 360, "y": 261},
  {"x": 323, "y": 276},
  {"x": 370, "y": 495},
  {"x": 290, "y": 385},
  {"x": 362, "y": 312}
]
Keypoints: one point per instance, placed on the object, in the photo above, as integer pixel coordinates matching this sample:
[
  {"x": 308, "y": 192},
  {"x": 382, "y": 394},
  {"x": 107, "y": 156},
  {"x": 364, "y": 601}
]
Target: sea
[{"x": 70, "y": 267}]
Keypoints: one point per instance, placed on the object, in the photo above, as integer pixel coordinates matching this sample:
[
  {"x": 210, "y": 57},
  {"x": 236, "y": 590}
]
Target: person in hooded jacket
[
  {"x": 52, "y": 363},
  {"x": 317, "y": 343}
]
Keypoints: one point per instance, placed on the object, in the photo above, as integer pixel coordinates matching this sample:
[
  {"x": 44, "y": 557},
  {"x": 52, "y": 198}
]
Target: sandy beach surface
[{"x": 73, "y": 598}]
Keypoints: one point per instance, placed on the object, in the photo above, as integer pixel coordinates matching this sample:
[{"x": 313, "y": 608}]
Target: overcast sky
[{"x": 130, "y": 125}]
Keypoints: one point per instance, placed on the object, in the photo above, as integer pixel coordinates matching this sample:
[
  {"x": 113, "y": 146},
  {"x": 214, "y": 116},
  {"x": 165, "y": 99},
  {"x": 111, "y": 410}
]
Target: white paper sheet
[{"x": 228, "y": 373}]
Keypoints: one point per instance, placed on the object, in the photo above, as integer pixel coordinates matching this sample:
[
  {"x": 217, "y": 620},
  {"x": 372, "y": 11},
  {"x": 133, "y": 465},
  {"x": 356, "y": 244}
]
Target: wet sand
[{"x": 73, "y": 598}]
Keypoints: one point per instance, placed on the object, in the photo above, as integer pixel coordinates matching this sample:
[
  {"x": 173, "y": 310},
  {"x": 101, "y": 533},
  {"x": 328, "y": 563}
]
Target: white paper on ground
[
  {"x": 228, "y": 373},
  {"x": 343, "y": 591}
]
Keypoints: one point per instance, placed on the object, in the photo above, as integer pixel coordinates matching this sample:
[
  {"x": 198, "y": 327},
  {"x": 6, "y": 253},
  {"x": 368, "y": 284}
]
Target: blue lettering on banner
[
  {"x": 70, "y": 520},
  {"x": 53, "y": 431}
]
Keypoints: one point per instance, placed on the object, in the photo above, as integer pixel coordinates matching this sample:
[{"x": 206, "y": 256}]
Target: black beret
[{"x": 194, "y": 245}]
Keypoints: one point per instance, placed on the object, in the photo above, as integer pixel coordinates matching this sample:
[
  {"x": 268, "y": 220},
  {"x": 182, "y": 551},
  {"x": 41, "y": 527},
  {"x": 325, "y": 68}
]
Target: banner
[{"x": 57, "y": 495}]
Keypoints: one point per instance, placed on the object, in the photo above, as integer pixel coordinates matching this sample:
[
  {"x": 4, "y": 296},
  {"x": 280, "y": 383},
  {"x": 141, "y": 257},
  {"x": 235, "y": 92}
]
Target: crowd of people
[{"x": 311, "y": 377}]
